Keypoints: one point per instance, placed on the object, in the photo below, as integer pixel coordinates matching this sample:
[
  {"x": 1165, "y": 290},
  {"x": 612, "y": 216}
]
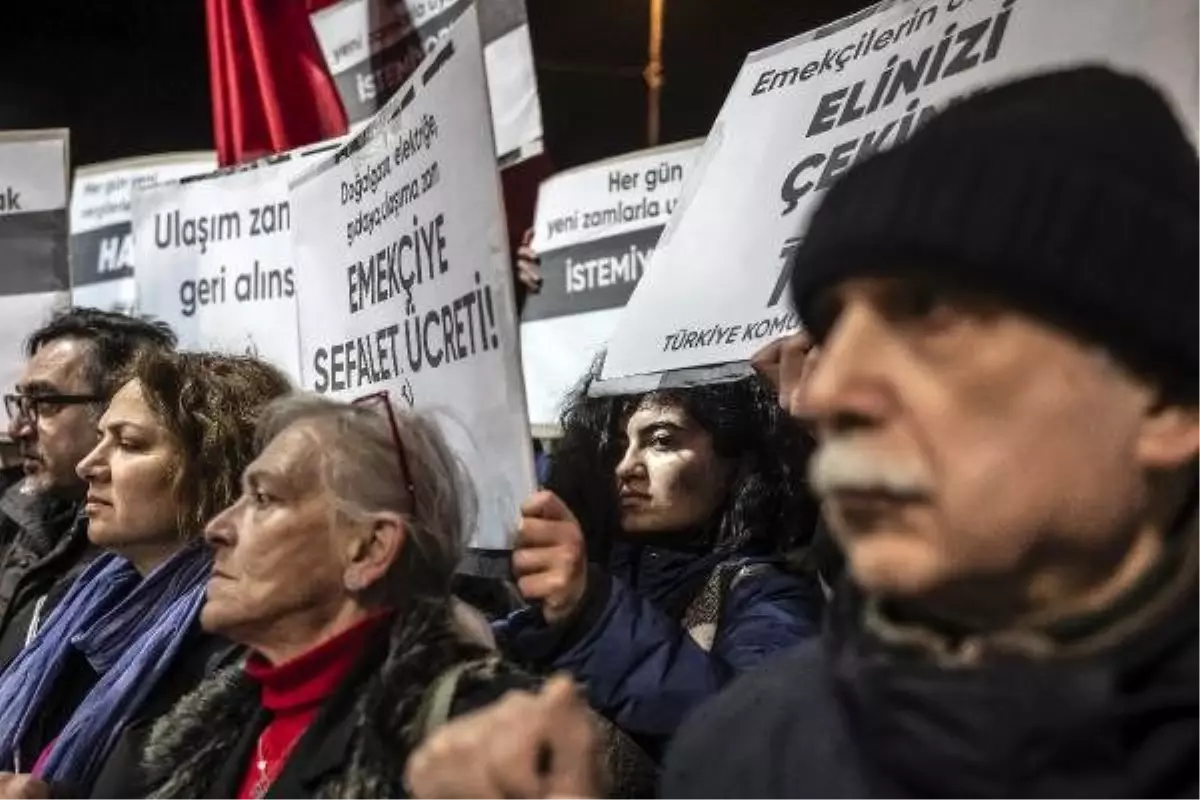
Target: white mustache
[{"x": 841, "y": 465}]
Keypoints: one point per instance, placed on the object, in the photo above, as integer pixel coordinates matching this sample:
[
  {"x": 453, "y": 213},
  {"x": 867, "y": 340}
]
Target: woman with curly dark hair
[
  {"x": 125, "y": 643},
  {"x": 663, "y": 559}
]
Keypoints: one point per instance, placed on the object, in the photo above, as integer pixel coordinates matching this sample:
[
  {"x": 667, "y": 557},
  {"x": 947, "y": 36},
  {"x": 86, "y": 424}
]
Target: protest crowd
[{"x": 929, "y": 530}]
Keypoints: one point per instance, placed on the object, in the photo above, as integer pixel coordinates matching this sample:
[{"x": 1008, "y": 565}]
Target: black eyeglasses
[{"x": 33, "y": 406}]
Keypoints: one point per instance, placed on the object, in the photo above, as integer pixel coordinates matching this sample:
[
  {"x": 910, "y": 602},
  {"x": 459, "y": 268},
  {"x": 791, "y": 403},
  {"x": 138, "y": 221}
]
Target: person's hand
[
  {"x": 524, "y": 745},
  {"x": 787, "y": 364},
  {"x": 529, "y": 264},
  {"x": 549, "y": 558},
  {"x": 21, "y": 787}
]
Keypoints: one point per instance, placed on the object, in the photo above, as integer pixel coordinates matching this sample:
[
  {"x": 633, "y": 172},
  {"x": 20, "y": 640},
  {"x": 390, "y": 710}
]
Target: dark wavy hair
[
  {"x": 209, "y": 404},
  {"x": 767, "y": 506},
  {"x": 115, "y": 341}
]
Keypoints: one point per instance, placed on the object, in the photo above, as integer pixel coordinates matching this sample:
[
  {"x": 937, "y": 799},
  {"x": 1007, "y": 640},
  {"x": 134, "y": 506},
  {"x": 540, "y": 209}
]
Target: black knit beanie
[{"x": 1071, "y": 194}]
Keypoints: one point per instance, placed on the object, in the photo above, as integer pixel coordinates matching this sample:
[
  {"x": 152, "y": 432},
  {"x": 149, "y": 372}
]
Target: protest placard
[
  {"x": 34, "y": 269},
  {"x": 214, "y": 258},
  {"x": 403, "y": 274},
  {"x": 802, "y": 112},
  {"x": 594, "y": 230},
  {"x": 372, "y": 46},
  {"x": 102, "y": 262}
]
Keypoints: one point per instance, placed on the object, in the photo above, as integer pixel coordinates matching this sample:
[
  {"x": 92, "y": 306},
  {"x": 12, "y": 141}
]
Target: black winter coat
[
  {"x": 853, "y": 716},
  {"x": 199, "y": 656},
  {"x": 358, "y": 744},
  {"x": 44, "y": 548}
]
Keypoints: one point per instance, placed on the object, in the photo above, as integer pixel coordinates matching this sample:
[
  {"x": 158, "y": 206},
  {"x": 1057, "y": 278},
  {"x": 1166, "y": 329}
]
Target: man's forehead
[{"x": 60, "y": 363}]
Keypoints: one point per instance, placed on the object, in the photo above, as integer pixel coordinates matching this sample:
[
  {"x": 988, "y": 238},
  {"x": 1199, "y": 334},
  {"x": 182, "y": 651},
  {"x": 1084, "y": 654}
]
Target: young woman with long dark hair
[{"x": 666, "y": 555}]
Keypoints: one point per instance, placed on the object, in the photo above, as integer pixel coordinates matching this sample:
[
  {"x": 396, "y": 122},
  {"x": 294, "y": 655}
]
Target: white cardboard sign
[
  {"x": 102, "y": 262},
  {"x": 214, "y": 256},
  {"x": 34, "y": 268},
  {"x": 404, "y": 279},
  {"x": 802, "y": 112},
  {"x": 372, "y": 46},
  {"x": 595, "y": 229}
]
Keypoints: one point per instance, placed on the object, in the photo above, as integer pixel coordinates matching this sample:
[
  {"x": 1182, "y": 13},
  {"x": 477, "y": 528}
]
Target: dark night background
[{"x": 130, "y": 77}]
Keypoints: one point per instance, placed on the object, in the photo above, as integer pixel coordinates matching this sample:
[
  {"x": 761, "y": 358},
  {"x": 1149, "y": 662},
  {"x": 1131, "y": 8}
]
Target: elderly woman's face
[
  {"x": 669, "y": 478},
  {"x": 275, "y": 553},
  {"x": 131, "y": 505}
]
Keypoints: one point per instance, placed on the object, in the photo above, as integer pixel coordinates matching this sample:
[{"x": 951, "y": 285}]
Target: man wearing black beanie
[
  {"x": 1004, "y": 394},
  {"x": 1005, "y": 399}
]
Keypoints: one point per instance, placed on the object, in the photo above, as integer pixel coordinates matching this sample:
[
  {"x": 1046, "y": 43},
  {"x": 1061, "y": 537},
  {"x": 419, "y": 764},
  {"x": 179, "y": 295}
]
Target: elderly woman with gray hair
[{"x": 334, "y": 569}]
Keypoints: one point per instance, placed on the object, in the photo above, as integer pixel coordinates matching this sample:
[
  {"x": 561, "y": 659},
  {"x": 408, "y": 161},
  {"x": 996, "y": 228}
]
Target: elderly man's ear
[
  {"x": 373, "y": 549},
  {"x": 1170, "y": 436}
]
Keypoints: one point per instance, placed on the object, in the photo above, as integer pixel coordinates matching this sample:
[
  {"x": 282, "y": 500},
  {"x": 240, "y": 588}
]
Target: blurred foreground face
[
  {"x": 275, "y": 553},
  {"x": 669, "y": 478},
  {"x": 131, "y": 504},
  {"x": 966, "y": 448}
]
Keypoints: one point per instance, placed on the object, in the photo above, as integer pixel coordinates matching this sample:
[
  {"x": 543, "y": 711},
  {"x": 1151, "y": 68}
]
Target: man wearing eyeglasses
[{"x": 73, "y": 367}]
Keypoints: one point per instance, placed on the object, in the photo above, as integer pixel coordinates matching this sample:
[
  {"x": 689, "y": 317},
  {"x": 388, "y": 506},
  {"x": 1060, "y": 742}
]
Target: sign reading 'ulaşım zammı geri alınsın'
[
  {"x": 102, "y": 262},
  {"x": 34, "y": 267},
  {"x": 802, "y": 112},
  {"x": 403, "y": 275},
  {"x": 214, "y": 255},
  {"x": 594, "y": 230},
  {"x": 372, "y": 46}
]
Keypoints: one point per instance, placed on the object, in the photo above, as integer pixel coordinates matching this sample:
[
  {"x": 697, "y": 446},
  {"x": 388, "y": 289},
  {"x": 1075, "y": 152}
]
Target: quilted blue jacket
[{"x": 627, "y": 645}]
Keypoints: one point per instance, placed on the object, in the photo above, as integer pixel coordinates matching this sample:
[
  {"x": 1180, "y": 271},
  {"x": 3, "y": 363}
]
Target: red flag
[{"x": 271, "y": 89}]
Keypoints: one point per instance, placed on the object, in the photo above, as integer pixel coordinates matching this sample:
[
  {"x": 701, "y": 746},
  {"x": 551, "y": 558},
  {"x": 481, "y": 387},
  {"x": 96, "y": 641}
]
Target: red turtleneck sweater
[{"x": 293, "y": 692}]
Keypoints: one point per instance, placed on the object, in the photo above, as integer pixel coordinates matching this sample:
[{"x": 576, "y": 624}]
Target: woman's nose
[
  {"x": 629, "y": 467},
  {"x": 94, "y": 465},
  {"x": 219, "y": 529}
]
